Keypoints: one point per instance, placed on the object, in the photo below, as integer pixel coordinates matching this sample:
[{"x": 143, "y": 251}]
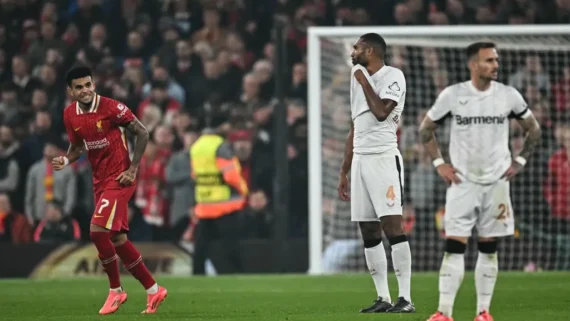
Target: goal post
[{"x": 432, "y": 58}]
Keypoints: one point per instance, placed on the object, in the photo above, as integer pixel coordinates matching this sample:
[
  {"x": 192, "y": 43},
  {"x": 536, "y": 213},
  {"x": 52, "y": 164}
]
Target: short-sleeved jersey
[
  {"x": 370, "y": 135},
  {"x": 101, "y": 131},
  {"x": 479, "y": 142}
]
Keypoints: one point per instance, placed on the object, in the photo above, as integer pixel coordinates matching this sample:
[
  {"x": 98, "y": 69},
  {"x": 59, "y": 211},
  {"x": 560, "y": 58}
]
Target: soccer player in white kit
[
  {"x": 377, "y": 95},
  {"x": 479, "y": 173}
]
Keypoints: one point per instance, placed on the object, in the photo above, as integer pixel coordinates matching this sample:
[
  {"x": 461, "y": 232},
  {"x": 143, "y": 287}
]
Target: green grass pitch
[{"x": 518, "y": 297}]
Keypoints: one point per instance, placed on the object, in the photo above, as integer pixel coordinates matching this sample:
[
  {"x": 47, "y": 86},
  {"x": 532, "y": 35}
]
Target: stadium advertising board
[{"x": 80, "y": 260}]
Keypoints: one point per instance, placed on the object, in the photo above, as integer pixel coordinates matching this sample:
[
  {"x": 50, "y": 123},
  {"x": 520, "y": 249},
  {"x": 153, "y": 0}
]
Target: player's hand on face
[
  {"x": 512, "y": 171},
  {"x": 127, "y": 177},
  {"x": 58, "y": 163},
  {"x": 360, "y": 77},
  {"x": 448, "y": 173},
  {"x": 343, "y": 188}
]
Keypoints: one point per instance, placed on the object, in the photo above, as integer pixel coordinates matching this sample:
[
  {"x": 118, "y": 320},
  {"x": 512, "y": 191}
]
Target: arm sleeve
[
  {"x": 441, "y": 107},
  {"x": 121, "y": 114},
  {"x": 519, "y": 107},
  {"x": 394, "y": 88}
]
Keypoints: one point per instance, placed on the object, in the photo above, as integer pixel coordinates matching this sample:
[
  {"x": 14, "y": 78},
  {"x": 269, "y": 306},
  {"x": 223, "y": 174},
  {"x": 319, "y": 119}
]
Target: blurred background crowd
[{"x": 183, "y": 65}]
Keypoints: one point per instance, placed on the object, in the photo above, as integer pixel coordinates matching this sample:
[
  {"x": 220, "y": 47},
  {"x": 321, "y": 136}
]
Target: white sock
[
  {"x": 450, "y": 278},
  {"x": 118, "y": 290},
  {"x": 378, "y": 267},
  {"x": 402, "y": 262},
  {"x": 486, "y": 271},
  {"x": 153, "y": 289}
]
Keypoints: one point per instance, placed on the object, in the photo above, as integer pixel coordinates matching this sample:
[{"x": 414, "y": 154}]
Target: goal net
[{"x": 534, "y": 59}]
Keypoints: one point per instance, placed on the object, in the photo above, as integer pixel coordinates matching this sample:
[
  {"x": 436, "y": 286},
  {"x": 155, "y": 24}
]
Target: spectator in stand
[
  {"x": 57, "y": 226},
  {"x": 557, "y": 186},
  {"x": 159, "y": 97},
  {"x": 14, "y": 227},
  {"x": 22, "y": 78},
  {"x": 532, "y": 73},
  {"x": 181, "y": 187},
  {"x": 161, "y": 74},
  {"x": 43, "y": 184}
]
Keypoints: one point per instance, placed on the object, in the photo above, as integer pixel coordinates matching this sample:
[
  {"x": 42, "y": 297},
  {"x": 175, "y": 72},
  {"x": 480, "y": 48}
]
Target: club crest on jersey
[{"x": 99, "y": 125}]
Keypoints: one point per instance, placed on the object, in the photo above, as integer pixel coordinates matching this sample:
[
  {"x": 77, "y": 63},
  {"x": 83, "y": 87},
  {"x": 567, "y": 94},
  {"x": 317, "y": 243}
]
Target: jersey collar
[{"x": 94, "y": 105}]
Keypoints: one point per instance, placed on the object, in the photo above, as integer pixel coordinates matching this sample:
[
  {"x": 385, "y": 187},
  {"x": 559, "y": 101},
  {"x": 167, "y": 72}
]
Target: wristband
[
  {"x": 437, "y": 162},
  {"x": 521, "y": 160},
  {"x": 65, "y": 161}
]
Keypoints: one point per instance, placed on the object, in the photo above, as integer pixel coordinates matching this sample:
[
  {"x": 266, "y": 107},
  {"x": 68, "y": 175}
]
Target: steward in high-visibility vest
[
  {"x": 220, "y": 188},
  {"x": 220, "y": 195}
]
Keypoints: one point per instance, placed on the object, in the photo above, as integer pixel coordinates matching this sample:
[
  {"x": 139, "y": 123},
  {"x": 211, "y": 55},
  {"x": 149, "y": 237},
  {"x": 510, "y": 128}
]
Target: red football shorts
[{"x": 112, "y": 209}]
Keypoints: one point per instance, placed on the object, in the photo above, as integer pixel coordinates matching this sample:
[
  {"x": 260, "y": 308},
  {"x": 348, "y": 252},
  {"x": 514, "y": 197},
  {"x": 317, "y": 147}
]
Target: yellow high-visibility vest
[{"x": 210, "y": 185}]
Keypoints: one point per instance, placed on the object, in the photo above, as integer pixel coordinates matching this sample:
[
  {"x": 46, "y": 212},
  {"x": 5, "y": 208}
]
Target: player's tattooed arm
[
  {"x": 532, "y": 130},
  {"x": 427, "y": 138},
  {"x": 142, "y": 136}
]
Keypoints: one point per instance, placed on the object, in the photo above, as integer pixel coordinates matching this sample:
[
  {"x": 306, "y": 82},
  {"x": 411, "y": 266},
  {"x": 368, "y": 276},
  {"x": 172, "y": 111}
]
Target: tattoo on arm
[
  {"x": 427, "y": 137},
  {"x": 74, "y": 152},
  {"x": 532, "y": 130},
  {"x": 348, "y": 152},
  {"x": 141, "y": 133}
]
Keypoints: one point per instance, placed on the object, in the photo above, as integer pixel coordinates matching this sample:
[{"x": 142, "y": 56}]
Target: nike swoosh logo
[
  {"x": 463, "y": 102},
  {"x": 76, "y": 129}
]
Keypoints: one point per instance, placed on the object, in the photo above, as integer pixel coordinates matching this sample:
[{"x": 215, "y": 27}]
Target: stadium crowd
[{"x": 183, "y": 65}]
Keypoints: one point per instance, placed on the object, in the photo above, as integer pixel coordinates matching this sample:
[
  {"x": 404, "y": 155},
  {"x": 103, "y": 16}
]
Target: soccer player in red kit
[{"x": 97, "y": 125}]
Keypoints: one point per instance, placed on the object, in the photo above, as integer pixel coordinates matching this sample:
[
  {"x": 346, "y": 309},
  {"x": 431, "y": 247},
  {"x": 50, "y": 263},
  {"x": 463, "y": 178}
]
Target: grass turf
[{"x": 518, "y": 297}]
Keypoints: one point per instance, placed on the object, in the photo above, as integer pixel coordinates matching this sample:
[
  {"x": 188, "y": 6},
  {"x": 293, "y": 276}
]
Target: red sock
[
  {"x": 132, "y": 260},
  {"x": 108, "y": 257}
]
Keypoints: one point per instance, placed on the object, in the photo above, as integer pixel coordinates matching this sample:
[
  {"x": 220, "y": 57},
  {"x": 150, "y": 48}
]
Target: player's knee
[
  {"x": 372, "y": 243},
  {"x": 455, "y": 246},
  {"x": 488, "y": 247},
  {"x": 397, "y": 239},
  {"x": 118, "y": 239}
]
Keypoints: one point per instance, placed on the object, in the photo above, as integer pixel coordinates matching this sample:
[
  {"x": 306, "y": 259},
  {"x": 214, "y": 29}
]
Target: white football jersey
[
  {"x": 479, "y": 142},
  {"x": 370, "y": 135}
]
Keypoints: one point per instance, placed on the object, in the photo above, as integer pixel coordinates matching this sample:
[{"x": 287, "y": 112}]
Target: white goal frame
[{"x": 314, "y": 108}]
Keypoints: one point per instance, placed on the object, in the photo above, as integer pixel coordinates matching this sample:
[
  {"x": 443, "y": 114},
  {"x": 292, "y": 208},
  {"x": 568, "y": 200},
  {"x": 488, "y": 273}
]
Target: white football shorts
[
  {"x": 376, "y": 183},
  {"x": 486, "y": 207}
]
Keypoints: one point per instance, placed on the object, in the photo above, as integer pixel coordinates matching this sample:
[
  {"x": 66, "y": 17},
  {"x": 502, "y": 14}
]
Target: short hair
[
  {"x": 76, "y": 73},
  {"x": 375, "y": 41},
  {"x": 474, "y": 48}
]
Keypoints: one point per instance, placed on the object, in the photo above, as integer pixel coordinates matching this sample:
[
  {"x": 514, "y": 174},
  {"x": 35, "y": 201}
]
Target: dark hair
[
  {"x": 76, "y": 73},
  {"x": 375, "y": 41},
  {"x": 474, "y": 48}
]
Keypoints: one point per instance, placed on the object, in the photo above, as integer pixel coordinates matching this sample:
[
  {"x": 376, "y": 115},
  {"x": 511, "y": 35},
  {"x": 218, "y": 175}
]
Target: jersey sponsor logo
[
  {"x": 97, "y": 144},
  {"x": 123, "y": 110},
  {"x": 394, "y": 86},
  {"x": 483, "y": 120},
  {"x": 99, "y": 125}
]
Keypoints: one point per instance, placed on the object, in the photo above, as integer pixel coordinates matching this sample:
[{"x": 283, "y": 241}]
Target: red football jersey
[{"x": 102, "y": 131}]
